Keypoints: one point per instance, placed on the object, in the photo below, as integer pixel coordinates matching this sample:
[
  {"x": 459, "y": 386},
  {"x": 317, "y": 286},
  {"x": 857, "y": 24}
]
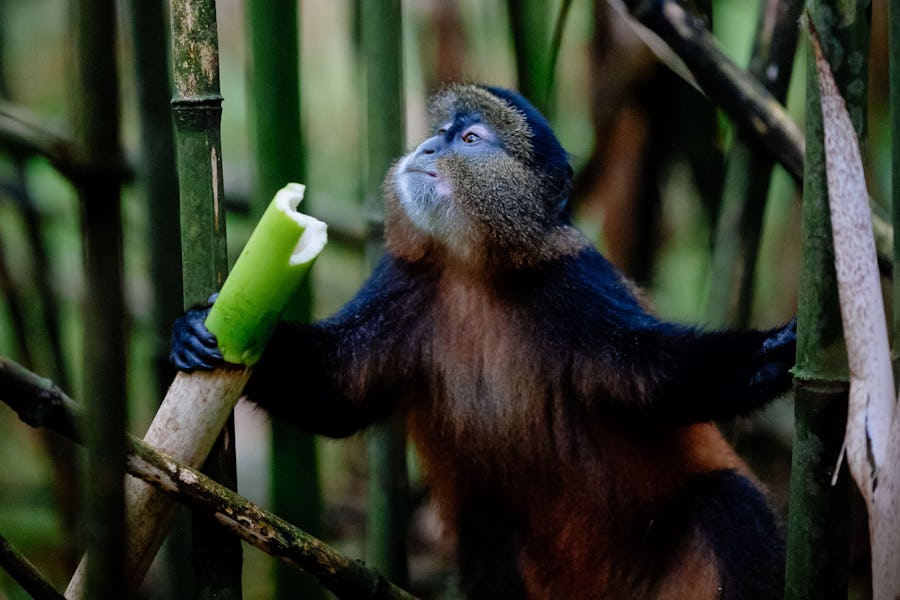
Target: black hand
[
  {"x": 777, "y": 354},
  {"x": 193, "y": 345}
]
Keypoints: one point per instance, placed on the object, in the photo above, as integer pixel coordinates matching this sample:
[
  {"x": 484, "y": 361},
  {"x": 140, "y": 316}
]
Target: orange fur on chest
[{"x": 498, "y": 422}]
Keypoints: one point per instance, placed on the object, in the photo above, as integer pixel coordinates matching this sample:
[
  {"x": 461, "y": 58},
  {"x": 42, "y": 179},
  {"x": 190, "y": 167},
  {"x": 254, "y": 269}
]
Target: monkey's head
[{"x": 489, "y": 188}]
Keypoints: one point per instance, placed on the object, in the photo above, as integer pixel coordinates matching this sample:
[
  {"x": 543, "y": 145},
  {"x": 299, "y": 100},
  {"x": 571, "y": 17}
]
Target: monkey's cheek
[{"x": 442, "y": 189}]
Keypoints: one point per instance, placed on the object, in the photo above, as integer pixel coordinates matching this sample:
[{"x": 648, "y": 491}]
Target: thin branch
[
  {"x": 25, "y": 573},
  {"x": 20, "y": 133},
  {"x": 40, "y": 403},
  {"x": 345, "y": 577}
]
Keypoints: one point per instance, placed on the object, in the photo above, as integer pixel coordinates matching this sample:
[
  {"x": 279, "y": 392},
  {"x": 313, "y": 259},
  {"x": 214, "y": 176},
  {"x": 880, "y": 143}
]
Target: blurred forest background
[{"x": 648, "y": 150}]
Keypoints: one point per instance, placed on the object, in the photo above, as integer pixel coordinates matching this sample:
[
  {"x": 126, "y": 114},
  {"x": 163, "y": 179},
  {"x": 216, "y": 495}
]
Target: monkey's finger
[
  {"x": 202, "y": 347},
  {"x": 186, "y": 359},
  {"x": 198, "y": 331},
  {"x": 782, "y": 341},
  {"x": 192, "y": 325}
]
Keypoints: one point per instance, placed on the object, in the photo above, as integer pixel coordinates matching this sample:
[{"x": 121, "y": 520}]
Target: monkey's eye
[{"x": 470, "y": 137}]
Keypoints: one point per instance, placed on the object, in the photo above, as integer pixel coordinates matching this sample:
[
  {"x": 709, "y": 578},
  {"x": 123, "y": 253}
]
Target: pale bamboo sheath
[
  {"x": 190, "y": 418},
  {"x": 872, "y": 435}
]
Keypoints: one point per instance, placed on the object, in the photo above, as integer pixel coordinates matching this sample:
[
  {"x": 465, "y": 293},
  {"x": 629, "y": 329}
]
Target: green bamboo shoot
[{"x": 265, "y": 277}]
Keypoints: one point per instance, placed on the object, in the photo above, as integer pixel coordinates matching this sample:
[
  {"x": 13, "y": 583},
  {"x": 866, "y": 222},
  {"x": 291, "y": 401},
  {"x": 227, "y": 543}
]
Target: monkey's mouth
[{"x": 413, "y": 169}]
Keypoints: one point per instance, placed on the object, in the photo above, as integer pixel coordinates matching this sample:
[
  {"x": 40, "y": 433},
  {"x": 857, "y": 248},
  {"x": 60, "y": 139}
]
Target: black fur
[
  {"x": 732, "y": 515},
  {"x": 488, "y": 549}
]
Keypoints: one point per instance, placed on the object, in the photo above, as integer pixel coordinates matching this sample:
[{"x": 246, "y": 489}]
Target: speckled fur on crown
[{"x": 507, "y": 120}]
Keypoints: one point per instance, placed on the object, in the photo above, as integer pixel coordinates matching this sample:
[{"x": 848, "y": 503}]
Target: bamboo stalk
[
  {"x": 13, "y": 301},
  {"x": 530, "y": 36},
  {"x": 818, "y": 527},
  {"x": 872, "y": 439},
  {"x": 765, "y": 121},
  {"x": 197, "y": 111},
  {"x": 159, "y": 179},
  {"x": 345, "y": 577},
  {"x": 559, "y": 28},
  {"x": 743, "y": 98},
  {"x": 275, "y": 104},
  {"x": 381, "y": 35},
  {"x": 97, "y": 121}
]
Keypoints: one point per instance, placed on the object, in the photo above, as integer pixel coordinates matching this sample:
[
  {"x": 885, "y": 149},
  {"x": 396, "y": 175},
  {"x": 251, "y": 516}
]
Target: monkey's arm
[
  {"x": 657, "y": 371},
  {"x": 686, "y": 375},
  {"x": 334, "y": 376}
]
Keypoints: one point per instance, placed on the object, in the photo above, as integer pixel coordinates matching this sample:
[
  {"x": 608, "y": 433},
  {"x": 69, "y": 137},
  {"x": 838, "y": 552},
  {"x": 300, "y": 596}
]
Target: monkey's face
[{"x": 475, "y": 187}]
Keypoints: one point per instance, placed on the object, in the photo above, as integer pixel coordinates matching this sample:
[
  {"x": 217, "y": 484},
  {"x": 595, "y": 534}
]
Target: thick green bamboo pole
[
  {"x": 381, "y": 35},
  {"x": 530, "y": 28},
  {"x": 197, "y": 111},
  {"x": 275, "y": 113},
  {"x": 748, "y": 173},
  {"x": 97, "y": 123},
  {"x": 818, "y": 521}
]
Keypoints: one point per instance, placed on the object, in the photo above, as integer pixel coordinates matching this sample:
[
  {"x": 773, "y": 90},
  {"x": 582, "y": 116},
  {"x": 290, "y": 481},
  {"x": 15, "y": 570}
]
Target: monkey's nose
[{"x": 429, "y": 146}]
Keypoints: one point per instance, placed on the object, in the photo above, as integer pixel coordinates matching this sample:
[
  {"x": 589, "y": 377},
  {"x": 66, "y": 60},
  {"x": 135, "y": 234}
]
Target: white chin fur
[
  {"x": 419, "y": 201},
  {"x": 430, "y": 207}
]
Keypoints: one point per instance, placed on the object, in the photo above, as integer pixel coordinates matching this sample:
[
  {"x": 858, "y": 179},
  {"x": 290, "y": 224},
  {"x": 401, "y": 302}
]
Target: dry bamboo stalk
[{"x": 872, "y": 440}]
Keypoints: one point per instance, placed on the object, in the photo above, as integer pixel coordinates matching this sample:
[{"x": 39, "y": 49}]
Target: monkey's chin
[{"x": 421, "y": 199}]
